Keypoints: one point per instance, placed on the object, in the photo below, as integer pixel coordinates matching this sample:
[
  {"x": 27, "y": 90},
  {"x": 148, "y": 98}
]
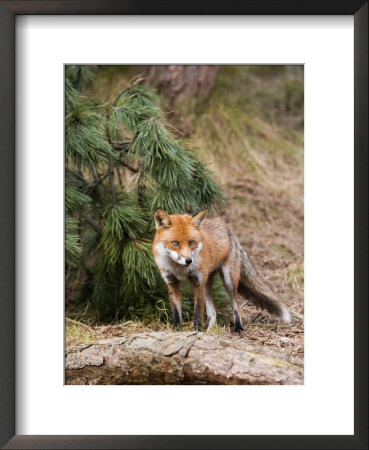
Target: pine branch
[
  {"x": 103, "y": 177},
  {"x": 116, "y": 145},
  {"x": 121, "y": 145},
  {"x": 140, "y": 187},
  {"x": 96, "y": 180},
  {"x": 95, "y": 174},
  {"x": 111, "y": 181},
  {"x": 93, "y": 224},
  {"x": 77, "y": 175},
  {"x": 119, "y": 177},
  {"x": 132, "y": 169}
]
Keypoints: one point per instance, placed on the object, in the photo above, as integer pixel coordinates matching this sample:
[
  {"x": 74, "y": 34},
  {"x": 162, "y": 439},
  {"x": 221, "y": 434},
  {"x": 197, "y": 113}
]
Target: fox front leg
[
  {"x": 199, "y": 300},
  {"x": 175, "y": 299},
  {"x": 210, "y": 306}
]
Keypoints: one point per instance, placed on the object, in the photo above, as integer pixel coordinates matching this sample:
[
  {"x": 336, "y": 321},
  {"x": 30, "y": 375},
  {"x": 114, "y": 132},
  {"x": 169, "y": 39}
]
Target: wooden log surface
[{"x": 179, "y": 358}]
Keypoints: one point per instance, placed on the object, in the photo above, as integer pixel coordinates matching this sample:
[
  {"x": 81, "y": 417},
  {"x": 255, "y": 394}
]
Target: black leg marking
[
  {"x": 197, "y": 321},
  {"x": 177, "y": 325},
  {"x": 237, "y": 322}
]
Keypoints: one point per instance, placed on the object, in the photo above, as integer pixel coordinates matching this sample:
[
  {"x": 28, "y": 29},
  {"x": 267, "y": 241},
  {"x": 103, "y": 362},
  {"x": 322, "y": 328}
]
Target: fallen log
[{"x": 179, "y": 358}]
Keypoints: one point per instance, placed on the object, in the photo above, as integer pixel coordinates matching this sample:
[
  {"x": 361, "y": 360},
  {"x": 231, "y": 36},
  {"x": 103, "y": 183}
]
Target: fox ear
[
  {"x": 198, "y": 218},
  {"x": 162, "y": 219}
]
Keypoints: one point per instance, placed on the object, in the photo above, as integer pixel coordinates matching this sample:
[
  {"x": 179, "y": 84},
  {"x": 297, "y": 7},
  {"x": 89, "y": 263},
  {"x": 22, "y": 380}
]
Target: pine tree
[{"x": 122, "y": 162}]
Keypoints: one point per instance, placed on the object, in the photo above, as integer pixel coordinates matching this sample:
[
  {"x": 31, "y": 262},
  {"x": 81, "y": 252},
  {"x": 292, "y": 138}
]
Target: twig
[
  {"x": 81, "y": 178},
  {"x": 95, "y": 174},
  {"x": 140, "y": 187},
  {"x": 111, "y": 181},
  {"x": 117, "y": 145},
  {"x": 111, "y": 171},
  {"x": 93, "y": 224},
  {"x": 119, "y": 177},
  {"x": 77, "y": 175},
  {"x": 122, "y": 145},
  {"x": 128, "y": 166},
  {"x": 103, "y": 177}
]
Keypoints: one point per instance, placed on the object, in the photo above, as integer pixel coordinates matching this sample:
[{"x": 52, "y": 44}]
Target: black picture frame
[{"x": 8, "y": 12}]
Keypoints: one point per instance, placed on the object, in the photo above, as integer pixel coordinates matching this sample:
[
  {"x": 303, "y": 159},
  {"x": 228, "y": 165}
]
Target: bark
[
  {"x": 179, "y": 358},
  {"x": 180, "y": 82}
]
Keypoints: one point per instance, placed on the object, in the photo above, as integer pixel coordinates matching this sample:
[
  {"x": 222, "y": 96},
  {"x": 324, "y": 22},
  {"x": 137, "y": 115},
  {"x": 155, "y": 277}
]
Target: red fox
[{"x": 195, "y": 248}]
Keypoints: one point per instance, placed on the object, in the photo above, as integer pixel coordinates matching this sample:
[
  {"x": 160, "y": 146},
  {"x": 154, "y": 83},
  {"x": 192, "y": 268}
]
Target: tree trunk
[
  {"x": 180, "y": 82},
  {"x": 179, "y": 358}
]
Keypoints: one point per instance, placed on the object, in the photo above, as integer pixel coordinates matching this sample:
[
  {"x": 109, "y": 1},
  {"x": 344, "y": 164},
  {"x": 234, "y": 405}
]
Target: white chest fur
[{"x": 172, "y": 264}]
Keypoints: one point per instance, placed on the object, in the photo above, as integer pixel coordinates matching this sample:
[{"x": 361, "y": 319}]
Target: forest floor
[
  {"x": 276, "y": 249},
  {"x": 254, "y": 145}
]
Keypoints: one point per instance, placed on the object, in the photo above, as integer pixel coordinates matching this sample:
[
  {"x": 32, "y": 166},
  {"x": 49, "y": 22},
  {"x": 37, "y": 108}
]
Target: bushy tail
[{"x": 254, "y": 288}]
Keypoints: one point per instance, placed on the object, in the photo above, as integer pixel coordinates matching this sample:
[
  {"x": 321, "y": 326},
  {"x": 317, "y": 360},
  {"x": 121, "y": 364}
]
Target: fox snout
[
  {"x": 185, "y": 255},
  {"x": 185, "y": 259}
]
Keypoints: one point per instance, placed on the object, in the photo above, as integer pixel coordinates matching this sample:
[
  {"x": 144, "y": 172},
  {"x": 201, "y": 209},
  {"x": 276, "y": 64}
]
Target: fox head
[{"x": 179, "y": 236}]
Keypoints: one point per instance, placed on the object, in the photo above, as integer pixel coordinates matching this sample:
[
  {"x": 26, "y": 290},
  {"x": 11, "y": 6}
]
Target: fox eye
[
  {"x": 192, "y": 243},
  {"x": 175, "y": 243}
]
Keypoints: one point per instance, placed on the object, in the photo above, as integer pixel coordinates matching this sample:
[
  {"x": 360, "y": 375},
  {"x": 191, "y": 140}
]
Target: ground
[{"x": 250, "y": 133}]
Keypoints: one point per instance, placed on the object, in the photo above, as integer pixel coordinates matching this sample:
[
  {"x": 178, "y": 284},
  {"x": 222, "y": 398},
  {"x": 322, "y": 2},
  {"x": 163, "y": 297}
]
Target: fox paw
[{"x": 238, "y": 326}]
